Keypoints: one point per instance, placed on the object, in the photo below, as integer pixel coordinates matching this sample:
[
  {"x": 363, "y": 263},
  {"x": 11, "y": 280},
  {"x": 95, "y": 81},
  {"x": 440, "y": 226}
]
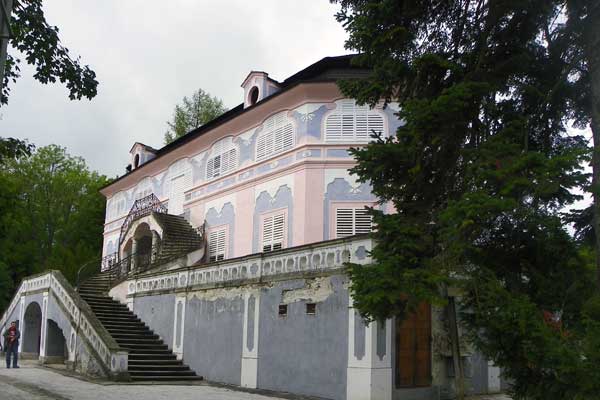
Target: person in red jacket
[{"x": 11, "y": 344}]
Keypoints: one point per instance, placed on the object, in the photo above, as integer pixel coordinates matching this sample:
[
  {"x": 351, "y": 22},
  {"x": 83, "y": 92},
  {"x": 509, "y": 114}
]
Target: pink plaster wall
[
  {"x": 313, "y": 209},
  {"x": 244, "y": 222}
]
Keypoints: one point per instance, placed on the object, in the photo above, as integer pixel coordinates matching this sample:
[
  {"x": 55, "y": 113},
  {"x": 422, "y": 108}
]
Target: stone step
[
  {"x": 134, "y": 336},
  {"x": 139, "y": 340},
  {"x": 158, "y": 367},
  {"x": 159, "y": 372},
  {"x": 167, "y": 357},
  {"x": 165, "y": 378},
  {"x": 152, "y": 362},
  {"x": 153, "y": 352},
  {"x": 145, "y": 347}
]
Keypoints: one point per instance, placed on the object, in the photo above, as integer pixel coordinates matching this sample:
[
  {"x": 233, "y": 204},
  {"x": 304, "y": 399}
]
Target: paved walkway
[{"x": 31, "y": 382}]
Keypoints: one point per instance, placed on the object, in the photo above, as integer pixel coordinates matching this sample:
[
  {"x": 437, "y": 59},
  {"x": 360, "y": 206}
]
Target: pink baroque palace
[{"x": 224, "y": 258}]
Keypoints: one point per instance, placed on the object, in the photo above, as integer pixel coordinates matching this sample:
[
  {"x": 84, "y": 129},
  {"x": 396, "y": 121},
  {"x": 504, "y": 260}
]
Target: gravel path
[{"x": 31, "y": 382}]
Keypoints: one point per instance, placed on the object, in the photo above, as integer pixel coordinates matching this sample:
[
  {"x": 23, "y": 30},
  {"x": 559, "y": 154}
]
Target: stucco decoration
[
  {"x": 158, "y": 185},
  {"x": 219, "y": 202},
  {"x": 308, "y": 118},
  {"x": 247, "y": 145},
  {"x": 393, "y": 121},
  {"x": 359, "y": 336},
  {"x": 250, "y": 323},
  {"x": 275, "y": 164},
  {"x": 198, "y": 163},
  {"x": 381, "y": 339},
  {"x": 310, "y": 153},
  {"x": 273, "y": 186},
  {"x": 338, "y": 153},
  {"x": 267, "y": 202},
  {"x": 221, "y": 184}
]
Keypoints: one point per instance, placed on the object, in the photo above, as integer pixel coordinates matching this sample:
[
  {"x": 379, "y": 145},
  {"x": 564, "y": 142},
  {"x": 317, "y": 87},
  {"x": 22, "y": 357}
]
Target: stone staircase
[
  {"x": 149, "y": 358},
  {"x": 179, "y": 237}
]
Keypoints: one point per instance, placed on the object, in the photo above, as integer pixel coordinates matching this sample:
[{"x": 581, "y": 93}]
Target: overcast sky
[{"x": 149, "y": 54}]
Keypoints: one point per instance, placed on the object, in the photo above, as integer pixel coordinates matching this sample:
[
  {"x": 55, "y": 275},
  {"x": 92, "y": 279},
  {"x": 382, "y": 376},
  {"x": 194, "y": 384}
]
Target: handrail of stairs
[{"x": 112, "y": 358}]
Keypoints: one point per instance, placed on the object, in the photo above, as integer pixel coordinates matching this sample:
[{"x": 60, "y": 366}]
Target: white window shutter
[
  {"x": 352, "y": 123},
  {"x": 277, "y": 136},
  {"x": 217, "y": 245},
  {"x": 273, "y": 232},
  {"x": 352, "y": 221},
  {"x": 223, "y": 158}
]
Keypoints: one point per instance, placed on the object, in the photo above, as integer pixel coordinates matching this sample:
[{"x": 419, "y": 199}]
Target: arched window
[
  {"x": 277, "y": 136},
  {"x": 144, "y": 188},
  {"x": 223, "y": 158},
  {"x": 350, "y": 122},
  {"x": 180, "y": 179},
  {"x": 116, "y": 206}
]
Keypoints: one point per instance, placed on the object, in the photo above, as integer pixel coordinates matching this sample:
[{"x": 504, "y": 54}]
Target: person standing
[{"x": 11, "y": 344}]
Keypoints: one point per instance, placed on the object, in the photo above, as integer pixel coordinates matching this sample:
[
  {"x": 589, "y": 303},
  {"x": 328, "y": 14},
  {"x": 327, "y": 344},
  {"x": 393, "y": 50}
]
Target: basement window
[
  {"x": 283, "y": 310},
  {"x": 311, "y": 308}
]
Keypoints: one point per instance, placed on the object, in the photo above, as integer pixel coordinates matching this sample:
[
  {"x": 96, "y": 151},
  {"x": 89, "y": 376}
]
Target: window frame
[
  {"x": 333, "y": 231},
  {"x": 216, "y": 230},
  {"x": 339, "y": 110},
  {"x": 218, "y": 150},
  {"x": 273, "y": 214},
  {"x": 279, "y": 121}
]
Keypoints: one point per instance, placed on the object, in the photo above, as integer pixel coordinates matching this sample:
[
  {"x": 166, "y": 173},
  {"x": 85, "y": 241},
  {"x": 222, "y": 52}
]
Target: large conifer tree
[{"x": 479, "y": 175}]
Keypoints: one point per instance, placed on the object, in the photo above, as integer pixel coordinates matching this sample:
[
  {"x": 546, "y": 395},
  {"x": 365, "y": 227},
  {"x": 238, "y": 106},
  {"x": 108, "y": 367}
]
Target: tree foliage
[
  {"x": 38, "y": 41},
  {"x": 192, "y": 113},
  {"x": 479, "y": 173},
  {"x": 51, "y": 215}
]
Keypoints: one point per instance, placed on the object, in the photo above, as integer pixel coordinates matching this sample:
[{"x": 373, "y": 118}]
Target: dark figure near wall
[{"x": 11, "y": 345}]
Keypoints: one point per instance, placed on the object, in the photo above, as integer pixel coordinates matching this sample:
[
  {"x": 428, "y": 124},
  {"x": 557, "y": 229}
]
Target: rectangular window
[
  {"x": 352, "y": 221},
  {"x": 217, "y": 244},
  {"x": 413, "y": 348},
  {"x": 282, "y": 310},
  {"x": 273, "y": 232}
]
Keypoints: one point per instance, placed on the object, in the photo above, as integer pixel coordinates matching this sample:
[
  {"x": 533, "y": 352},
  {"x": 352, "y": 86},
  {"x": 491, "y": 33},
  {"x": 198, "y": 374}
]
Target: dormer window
[
  {"x": 140, "y": 154},
  {"x": 258, "y": 86},
  {"x": 223, "y": 158}
]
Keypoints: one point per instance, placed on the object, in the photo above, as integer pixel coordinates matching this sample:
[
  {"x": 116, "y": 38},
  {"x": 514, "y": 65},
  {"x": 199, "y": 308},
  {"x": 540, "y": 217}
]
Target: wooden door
[{"x": 413, "y": 349}]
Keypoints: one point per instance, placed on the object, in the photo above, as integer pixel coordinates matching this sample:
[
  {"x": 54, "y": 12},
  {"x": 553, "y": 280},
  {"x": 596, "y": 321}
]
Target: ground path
[{"x": 31, "y": 382}]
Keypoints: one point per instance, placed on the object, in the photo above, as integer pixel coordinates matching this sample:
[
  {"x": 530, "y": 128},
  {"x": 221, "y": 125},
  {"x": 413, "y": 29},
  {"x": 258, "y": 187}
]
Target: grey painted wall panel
[
  {"x": 158, "y": 312},
  {"x": 213, "y": 338},
  {"x": 300, "y": 353}
]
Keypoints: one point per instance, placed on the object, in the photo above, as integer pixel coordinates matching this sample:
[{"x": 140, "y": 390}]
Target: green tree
[
  {"x": 40, "y": 44},
  {"x": 56, "y": 217},
  {"x": 10, "y": 151},
  {"x": 479, "y": 173},
  {"x": 192, "y": 113}
]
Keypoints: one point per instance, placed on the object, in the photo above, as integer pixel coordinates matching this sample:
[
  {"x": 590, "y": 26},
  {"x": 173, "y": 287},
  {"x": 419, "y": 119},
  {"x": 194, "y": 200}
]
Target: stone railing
[
  {"x": 105, "y": 349},
  {"x": 319, "y": 257}
]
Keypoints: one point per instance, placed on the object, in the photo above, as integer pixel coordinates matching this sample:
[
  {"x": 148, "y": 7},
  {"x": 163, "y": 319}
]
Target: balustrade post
[{"x": 133, "y": 263}]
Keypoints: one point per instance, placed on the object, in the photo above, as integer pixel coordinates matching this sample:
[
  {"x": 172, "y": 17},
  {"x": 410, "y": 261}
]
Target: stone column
[
  {"x": 179, "y": 325},
  {"x": 155, "y": 244},
  {"x": 369, "y": 374},
  {"x": 44, "y": 329},
  {"x": 250, "y": 340},
  {"x": 21, "y": 326},
  {"x": 134, "y": 245}
]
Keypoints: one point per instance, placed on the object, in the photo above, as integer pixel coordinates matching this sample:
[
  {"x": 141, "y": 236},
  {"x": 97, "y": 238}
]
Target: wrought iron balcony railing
[{"x": 141, "y": 208}]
